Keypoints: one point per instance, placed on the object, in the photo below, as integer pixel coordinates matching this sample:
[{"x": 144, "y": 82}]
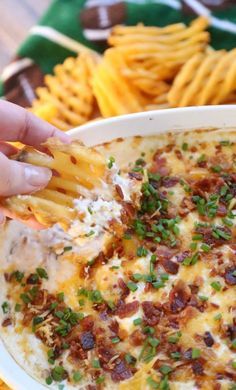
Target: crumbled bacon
[
  {"x": 152, "y": 313},
  {"x": 137, "y": 337},
  {"x": 76, "y": 351},
  {"x": 169, "y": 181},
  {"x": 121, "y": 371},
  {"x": 114, "y": 327},
  {"x": 170, "y": 266},
  {"x": 230, "y": 276},
  {"x": 136, "y": 175},
  {"x": 181, "y": 256},
  {"x": 209, "y": 239},
  {"x": 186, "y": 206},
  {"x": 119, "y": 191},
  {"x": 179, "y": 297},
  {"x": 208, "y": 339},
  {"x": 127, "y": 309},
  {"x": 209, "y": 184},
  {"x": 222, "y": 210},
  {"x": 87, "y": 323},
  {"x": 197, "y": 367},
  {"x": 159, "y": 165},
  {"x": 87, "y": 340},
  {"x": 124, "y": 289},
  {"x": 7, "y": 322}
]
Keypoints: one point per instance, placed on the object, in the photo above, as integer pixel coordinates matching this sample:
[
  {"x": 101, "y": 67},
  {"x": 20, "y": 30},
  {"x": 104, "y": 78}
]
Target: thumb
[{"x": 20, "y": 178}]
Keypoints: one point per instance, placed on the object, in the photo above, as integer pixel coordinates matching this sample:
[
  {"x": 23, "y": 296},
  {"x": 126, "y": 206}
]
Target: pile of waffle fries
[{"x": 145, "y": 68}]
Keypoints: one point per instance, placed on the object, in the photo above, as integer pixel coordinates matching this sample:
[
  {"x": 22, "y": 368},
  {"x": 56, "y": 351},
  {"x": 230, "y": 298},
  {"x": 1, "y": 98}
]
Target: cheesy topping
[{"x": 153, "y": 308}]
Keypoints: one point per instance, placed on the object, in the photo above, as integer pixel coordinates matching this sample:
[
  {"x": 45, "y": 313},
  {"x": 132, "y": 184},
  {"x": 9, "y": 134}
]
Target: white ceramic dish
[{"x": 147, "y": 123}]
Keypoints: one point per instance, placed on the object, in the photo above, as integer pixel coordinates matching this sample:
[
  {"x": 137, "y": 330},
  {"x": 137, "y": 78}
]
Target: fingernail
[{"x": 38, "y": 177}]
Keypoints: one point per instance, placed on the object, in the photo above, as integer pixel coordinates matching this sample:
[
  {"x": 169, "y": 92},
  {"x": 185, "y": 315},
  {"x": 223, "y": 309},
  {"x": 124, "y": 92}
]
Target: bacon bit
[
  {"x": 208, "y": 339},
  {"x": 179, "y": 297},
  {"x": 231, "y": 331},
  {"x": 164, "y": 253},
  {"x": 135, "y": 175},
  {"x": 7, "y": 277},
  {"x": 209, "y": 184},
  {"x": 209, "y": 239},
  {"x": 180, "y": 257},
  {"x": 114, "y": 327},
  {"x": 186, "y": 206},
  {"x": 120, "y": 371},
  {"x": 197, "y": 367},
  {"x": 170, "y": 266},
  {"x": 7, "y": 322},
  {"x": 152, "y": 313},
  {"x": 124, "y": 289},
  {"x": 31, "y": 279},
  {"x": 178, "y": 154},
  {"x": 87, "y": 323},
  {"x": 105, "y": 354},
  {"x": 76, "y": 351},
  {"x": 73, "y": 160},
  {"x": 194, "y": 289},
  {"x": 159, "y": 165},
  {"x": 87, "y": 340},
  {"x": 137, "y": 338},
  {"x": 222, "y": 210},
  {"x": 169, "y": 181},
  {"x": 127, "y": 309},
  {"x": 230, "y": 276},
  {"x": 119, "y": 191},
  {"x": 28, "y": 316}
]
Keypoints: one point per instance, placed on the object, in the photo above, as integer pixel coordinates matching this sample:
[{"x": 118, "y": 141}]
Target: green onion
[
  {"x": 61, "y": 296},
  {"x": 218, "y": 317},
  {"x": 132, "y": 286},
  {"x": 216, "y": 168},
  {"x": 141, "y": 251},
  {"x": 111, "y": 162},
  {"x": 205, "y": 247},
  {"x": 100, "y": 379},
  {"x": 175, "y": 355},
  {"x": 5, "y": 307},
  {"x": 148, "y": 330},
  {"x": 96, "y": 363},
  {"x": 17, "y": 307},
  {"x": 153, "y": 341},
  {"x": 67, "y": 248},
  {"x": 152, "y": 383},
  {"x": 165, "y": 370},
  {"x": 196, "y": 353},
  {"x": 203, "y": 298},
  {"x": 42, "y": 273},
  {"x": 77, "y": 376},
  {"x": 137, "y": 277},
  {"x": 185, "y": 146},
  {"x": 115, "y": 340},
  {"x": 49, "y": 380},
  {"x": 137, "y": 321},
  {"x": 130, "y": 359},
  {"x": 216, "y": 285}
]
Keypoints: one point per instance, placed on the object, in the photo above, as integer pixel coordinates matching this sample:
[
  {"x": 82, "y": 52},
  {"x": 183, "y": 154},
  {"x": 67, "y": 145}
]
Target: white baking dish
[{"x": 147, "y": 123}]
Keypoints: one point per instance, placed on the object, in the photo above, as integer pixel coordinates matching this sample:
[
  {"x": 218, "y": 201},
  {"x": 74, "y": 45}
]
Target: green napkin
[{"x": 68, "y": 24}]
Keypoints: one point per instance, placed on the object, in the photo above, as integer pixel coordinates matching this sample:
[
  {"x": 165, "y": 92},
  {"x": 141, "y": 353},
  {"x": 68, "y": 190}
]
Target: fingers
[
  {"x": 20, "y": 178},
  {"x": 7, "y": 149},
  {"x": 17, "y": 124}
]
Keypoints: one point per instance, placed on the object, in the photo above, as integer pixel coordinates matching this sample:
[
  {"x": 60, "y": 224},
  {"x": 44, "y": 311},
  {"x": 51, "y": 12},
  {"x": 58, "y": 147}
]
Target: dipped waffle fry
[
  {"x": 207, "y": 78},
  {"x": 77, "y": 169},
  {"x": 67, "y": 99}
]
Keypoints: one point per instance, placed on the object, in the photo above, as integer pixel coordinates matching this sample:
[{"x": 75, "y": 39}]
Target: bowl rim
[{"x": 99, "y": 131}]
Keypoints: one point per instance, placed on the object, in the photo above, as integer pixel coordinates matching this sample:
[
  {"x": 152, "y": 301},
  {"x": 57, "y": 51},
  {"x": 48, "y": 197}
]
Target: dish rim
[{"x": 96, "y": 132}]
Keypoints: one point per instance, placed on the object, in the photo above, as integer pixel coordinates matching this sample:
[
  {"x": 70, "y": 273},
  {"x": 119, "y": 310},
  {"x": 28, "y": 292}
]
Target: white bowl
[{"x": 94, "y": 133}]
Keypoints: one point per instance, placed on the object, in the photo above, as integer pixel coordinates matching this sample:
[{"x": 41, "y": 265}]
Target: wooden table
[{"x": 16, "y": 18}]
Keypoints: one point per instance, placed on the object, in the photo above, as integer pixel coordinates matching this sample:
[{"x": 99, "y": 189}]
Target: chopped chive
[
  {"x": 67, "y": 248},
  {"x": 153, "y": 341},
  {"x": 148, "y": 330},
  {"x": 205, "y": 247},
  {"x": 175, "y": 355},
  {"x": 137, "y": 321},
  {"x": 115, "y": 340},
  {"x": 216, "y": 285},
  {"x": 132, "y": 286},
  {"x": 61, "y": 296},
  {"x": 111, "y": 162},
  {"x": 100, "y": 379},
  {"x": 218, "y": 317},
  {"x": 5, "y": 307},
  {"x": 42, "y": 273},
  {"x": 152, "y": 383},
  {"x": 77, "y": 376},
  {"x": 137, "y": 277},
  {"x": 17, "y": 307},
  {"x": 96, "y": 363},
  {"x": 203, "y": 298},
  {"x": 196, "y": 353},
  {"x": 165, "y": 370},
  {"x": 185, "y": 146}
]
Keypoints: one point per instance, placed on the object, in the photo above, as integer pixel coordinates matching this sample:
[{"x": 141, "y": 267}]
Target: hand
[{"x": 17, "y": 124}]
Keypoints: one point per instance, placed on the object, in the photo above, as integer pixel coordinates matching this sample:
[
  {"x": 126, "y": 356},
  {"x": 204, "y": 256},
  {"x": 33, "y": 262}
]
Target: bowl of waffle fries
[
  {"x": 144, "y": 68},
  {"x": 95, "y": 133}
]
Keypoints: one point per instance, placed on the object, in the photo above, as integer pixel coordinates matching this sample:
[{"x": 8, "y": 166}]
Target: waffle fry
[
  {"x": 169, "y": 46},
  {"x": 114, "y": 94},
  {"x": 67, "y": 99},
  {"x": 76, "y": 169},
  {"x": 207, "y": 78}
]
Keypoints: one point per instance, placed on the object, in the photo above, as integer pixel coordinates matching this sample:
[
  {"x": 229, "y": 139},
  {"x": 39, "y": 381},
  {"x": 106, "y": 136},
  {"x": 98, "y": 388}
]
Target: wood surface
[{"x": 16, "y": 18}]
